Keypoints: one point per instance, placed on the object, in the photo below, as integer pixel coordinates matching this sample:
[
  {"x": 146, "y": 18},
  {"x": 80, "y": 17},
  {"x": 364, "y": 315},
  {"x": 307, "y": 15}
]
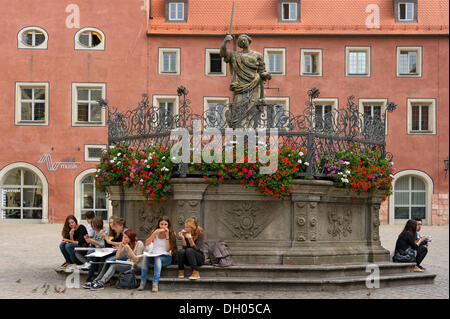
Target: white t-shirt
[{"x": 159, "y": 246}]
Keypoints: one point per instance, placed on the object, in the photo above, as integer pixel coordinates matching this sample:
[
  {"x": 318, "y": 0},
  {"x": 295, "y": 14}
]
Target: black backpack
[
  {"x": 220, "y": 254},
  {"x": 127, "y": 280},
  {"x": 404, "y": 256}
]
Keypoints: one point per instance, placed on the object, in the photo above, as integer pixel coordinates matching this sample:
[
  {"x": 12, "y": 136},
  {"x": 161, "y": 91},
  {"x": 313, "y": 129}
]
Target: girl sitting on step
[
  {"x": 192, "y": 238},
  {"x": 164, "y": 244}
]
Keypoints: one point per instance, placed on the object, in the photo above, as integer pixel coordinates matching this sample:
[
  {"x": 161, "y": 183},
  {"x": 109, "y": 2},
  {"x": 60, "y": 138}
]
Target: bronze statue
[{"x": 248, "y": 75}]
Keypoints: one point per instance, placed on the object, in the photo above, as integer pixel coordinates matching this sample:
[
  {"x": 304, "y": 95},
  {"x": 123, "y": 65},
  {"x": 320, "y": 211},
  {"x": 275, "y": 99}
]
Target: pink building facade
[{"x": 53, "y": 129}]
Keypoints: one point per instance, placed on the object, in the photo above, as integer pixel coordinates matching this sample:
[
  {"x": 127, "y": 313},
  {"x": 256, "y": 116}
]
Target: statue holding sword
[{"x": 248, "y": 75}]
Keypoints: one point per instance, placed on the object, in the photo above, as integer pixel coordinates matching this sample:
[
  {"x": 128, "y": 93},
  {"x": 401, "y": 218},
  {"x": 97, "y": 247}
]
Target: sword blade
[{"x": 231, "y": 21}]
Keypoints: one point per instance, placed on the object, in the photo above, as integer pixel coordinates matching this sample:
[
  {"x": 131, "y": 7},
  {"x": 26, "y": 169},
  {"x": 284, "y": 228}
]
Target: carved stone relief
[
  {"x": 246, "y": 220},
  {"x": 339, "y": 224},
  {"x": 376, "y": 222},
  {"x": 148, "y": 217}
]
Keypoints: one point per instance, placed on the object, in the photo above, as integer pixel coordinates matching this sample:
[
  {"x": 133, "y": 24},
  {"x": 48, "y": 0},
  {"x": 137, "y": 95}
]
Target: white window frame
[
  {"x": 375, "y": 102},
  {"x": 77, "y": 85},
  {"x": 285, "y": 101},
  {"x": 351, "y": 49},
  {"x": 167, "y": 98},
  {"x": 418, "y": 51},
  {"x": 213, "y": 99},
  {"x": 22, "y": 45},
  {"x": 77, "y": 194},
  {"x": 304, "y": 52},
  {"x": 429, "y": 196},
  {"x": 290, "y": 10},
  {"x": 208, "y": 63},
  {"x": 334, "y": 102},
  {"x": 161, "y": 52},
  {"x": 281, "y": 51},
  {"x": 38, "y": 172},
  {"x": 18, "y": 104},
  {"x": 87, "y": 158},
  {"x": 177, "y": 18},
  {"x": 431, "y": 116},
  {"x": 80, "y": 46},
  {"x": 406, "y": 11}
]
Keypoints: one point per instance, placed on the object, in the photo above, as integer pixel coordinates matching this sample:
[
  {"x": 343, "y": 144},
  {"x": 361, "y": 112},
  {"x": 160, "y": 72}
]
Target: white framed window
[
  {"x": 89, "y": 39},
  {"x": 412, "y": 197},
  {"x": 86, "y": 111},
  {"x": 24, "y": 194},
  {"x": 169, "y": 61},
  {"x": 93, "y": 153},
  {"x": 406, "y": 11},
  {"x": 289, "y": 11},
  {"x": 372, "y": 109},
  {"x": 311, "y": 62},
  {"x": 275, "y": 59},
  {"x": 32, "y": 101},
  {"x": 214, "y": 63},
  {"x": 409, "y": 61},
  {"x": 167, "y": 107},
  {"x": 32, "y": 38},
  {"x": 324, "y": 113},
  {"x": 214, "y": 108},
  {"x": 278, "y": 114},
  {"x": 88, "y": 198},
  {"x": 421, "y": 116},
  {"x": 358, "y": 61},
  {"x": 176, "y": 11}
]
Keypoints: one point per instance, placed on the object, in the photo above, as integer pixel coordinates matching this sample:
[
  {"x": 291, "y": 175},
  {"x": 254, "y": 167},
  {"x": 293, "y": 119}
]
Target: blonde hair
[{"x": 196, "y": 229}]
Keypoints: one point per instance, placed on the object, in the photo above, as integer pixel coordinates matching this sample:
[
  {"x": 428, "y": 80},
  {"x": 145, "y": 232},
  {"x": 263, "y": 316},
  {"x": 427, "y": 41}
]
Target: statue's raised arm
[{"x": 224, "y": 53}]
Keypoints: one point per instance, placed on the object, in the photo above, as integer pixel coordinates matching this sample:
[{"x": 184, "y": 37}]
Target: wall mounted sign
[{"x": 67, "y": 163}]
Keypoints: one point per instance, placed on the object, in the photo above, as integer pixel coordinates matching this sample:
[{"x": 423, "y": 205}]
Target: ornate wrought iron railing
[{"x": 318, "y": 130}]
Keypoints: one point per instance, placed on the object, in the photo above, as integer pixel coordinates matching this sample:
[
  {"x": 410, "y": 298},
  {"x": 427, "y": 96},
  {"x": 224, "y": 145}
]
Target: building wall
[{"x": 129, "y": 66}]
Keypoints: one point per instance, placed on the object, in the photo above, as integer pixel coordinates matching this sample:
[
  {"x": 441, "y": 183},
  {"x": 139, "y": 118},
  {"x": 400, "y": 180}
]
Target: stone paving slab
[{"x": 30, "y": 253}]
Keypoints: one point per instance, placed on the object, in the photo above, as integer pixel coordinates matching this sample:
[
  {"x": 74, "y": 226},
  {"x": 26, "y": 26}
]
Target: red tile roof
[{"x": 210, "y": 17}]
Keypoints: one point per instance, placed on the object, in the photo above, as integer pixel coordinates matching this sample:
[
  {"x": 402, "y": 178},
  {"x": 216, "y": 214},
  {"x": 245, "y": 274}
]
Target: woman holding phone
[
  {"x": 192, "y": 238},
  {"x": 164, "y": 245}
]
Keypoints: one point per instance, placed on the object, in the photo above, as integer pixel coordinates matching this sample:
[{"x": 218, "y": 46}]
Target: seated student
[
  {"x": 131, "y": 248},
  {"x": 118, "y": 226},
  {"x": 73, "y": 236},
  {"x": 164, "y": 243},
  {"x": 192, "y": 240},
  {"x": 114, "y": 238},
  {"x": 406, "y": 241},
  {"x": 97, "y": 241},
  {"x": 89, "y": 216},
  {"x": 425, "y": 241}
]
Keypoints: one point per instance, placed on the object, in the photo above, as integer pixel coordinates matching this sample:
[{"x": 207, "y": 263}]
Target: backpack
[
  {"x": 404, "y": 256},
  {"x": 220, "y": 254},
  {"x": 127, "y": 280}
]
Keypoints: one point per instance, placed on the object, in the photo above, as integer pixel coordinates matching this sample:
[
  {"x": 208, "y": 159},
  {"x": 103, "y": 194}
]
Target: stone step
[
  {"x": 293, "y": 271},
  {"x": 291, "y": 284}
]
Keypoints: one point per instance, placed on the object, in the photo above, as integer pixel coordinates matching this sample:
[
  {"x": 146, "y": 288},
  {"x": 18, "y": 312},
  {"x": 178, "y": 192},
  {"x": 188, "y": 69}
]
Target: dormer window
[
  {"x": 289, "y": 10},
  {"x": 176, "y": 10},
  {"x": 405, "y": 10}
]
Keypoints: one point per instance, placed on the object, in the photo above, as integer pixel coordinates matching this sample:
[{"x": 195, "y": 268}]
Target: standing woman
[
  {"x": 165, "y": 244},
  {"x": 407, "y": 241},
  {"x": 192, "y": 239},
  {"x": 73, "y": 236}
]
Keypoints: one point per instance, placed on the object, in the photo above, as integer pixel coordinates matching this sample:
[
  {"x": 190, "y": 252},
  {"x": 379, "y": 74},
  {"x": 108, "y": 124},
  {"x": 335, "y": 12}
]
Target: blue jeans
[
  {"x": 68, "y": 251},
  {"x": 158, "y": 263}
]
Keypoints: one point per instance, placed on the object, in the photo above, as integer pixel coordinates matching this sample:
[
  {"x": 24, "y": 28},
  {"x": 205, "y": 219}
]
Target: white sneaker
[
  {"x": 84, "y": 266},
  {"x": 70, "y": 268}
]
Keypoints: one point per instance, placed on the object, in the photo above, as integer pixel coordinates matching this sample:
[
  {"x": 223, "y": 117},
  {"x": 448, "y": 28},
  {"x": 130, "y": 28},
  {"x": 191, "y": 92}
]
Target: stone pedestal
[{"x": 320, "y": 224}]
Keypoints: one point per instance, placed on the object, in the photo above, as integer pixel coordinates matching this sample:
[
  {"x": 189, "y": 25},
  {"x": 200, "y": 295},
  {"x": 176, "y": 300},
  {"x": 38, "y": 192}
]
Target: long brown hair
[
  {"x": 133, "y": 238},
  {"x": 111, "y": 232},
  {"x": 172, "y": 237},
  {"x": 66, "y": 228},
  {"x": 196, "y": 229}
]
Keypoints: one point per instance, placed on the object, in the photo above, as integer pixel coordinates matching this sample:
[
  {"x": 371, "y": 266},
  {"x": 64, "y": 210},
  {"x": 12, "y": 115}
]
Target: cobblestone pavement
[{"x": 30, "y": 253}]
